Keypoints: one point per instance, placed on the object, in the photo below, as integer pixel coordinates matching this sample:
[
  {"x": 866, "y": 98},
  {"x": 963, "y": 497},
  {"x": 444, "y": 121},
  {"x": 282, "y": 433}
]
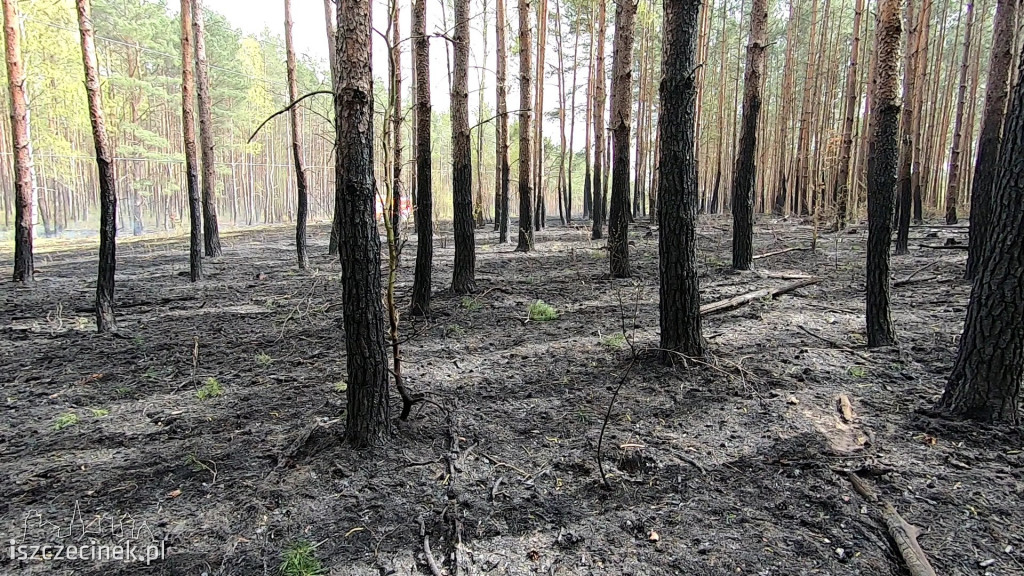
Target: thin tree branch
[{"x": 286, "y": 109}]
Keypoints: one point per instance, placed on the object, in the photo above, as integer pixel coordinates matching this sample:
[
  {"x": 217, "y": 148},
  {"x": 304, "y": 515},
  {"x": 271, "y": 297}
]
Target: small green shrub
[
  {"x": 65, "y": 420},
  {"x": 471, "y": 304},
  {"x": 857, "y": 371},
  {"x": 210, "y": 389},
  {"x": 263, "y": 359},
  {"x": 615, "y": 341},
  {"x": 99, "y": 412},
  {"x": 299, "y": 559},
  {"x": 541, "y": 312}
]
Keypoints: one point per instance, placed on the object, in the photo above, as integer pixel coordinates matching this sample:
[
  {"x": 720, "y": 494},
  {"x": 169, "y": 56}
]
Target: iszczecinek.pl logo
[
  {"x": 48, "y": 536},
  {"x": 128, "y": 552}
]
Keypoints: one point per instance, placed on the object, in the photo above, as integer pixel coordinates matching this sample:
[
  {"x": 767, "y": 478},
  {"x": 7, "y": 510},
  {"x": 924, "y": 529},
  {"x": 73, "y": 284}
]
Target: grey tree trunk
[{"x": 622, "y": 98}]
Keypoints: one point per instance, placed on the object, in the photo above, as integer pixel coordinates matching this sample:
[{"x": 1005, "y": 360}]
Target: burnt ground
[{"x": 735, "y": 466}]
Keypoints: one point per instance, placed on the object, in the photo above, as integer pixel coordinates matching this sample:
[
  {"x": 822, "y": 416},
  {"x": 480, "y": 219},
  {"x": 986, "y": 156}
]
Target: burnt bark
[
  {"x": 464, "y": 275},
  {"x": 525, "y": 114},
  {"x": 296, "y": 127},
  {"x": 333, "y": 60},
  {"x": 211, "y": 234},
  {"x": 188, "y": 122},
  {"x": 743, "y": 182},
  {"x": 883, "y": 157},
  {"x": 841, "y": 188},
  {"x": 622, "y": 97},
  {"x": 421, "y": 289},
  {"x": 677, "y": 185},
  {"x": 986, "y": 381},
  {"x": 501, "y": 152},
  {"x": 396, "y": 125},
  {"x": 597, "y": 208},
  {"x": 953, "y": 185},
  {"x": 990, "y": 139},
  {"x": 24, "y": 266},
  {"x": 368, "y": 414},
  {"x": 105, "y": 321}
]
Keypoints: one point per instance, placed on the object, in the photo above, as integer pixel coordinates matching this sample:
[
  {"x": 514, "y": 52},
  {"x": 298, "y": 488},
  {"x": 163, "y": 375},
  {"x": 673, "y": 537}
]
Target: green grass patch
[
  {"x": 99, "y": 412},
  {"x": 542, "y": 312},
  {"x": 299, "y": 559},
  {"x": 263, "y": 359},
  {"x": 65, "y": 420},
  {"x": 211, "y": 388},
  {"x": 471, "y": 304},
  {"x": 614, "y": 341}
]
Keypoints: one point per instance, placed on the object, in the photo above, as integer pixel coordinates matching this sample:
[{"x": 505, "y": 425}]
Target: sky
[{"x": 310, "y": 36}]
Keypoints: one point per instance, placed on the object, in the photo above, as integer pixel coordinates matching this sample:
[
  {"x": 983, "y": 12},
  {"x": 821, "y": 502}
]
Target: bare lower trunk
[
  {"x": 105, "y": 321},
  {"x": 599, "y": 136},
  {"x": 525, "y": 113},
  {"x": 188, "y": 120},
  {"x": 501, "y": 152},
  {"x": 24, "y": 267},
  {"x": 296, "y": 128},
  {"x": 211, "y": 234},
  {"x": 464, "y": 276},
  {"x": 421, "y": 286},
  {"x": 622, "y": 92}
]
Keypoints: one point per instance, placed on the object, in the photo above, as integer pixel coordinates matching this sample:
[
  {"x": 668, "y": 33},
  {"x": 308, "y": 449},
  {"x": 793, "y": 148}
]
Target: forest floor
[{"x": 736, "y": 466}]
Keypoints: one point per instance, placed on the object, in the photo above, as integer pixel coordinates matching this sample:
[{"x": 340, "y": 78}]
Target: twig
[
  {"x": 777, "y": 252},
  {"x": 834, "y": 344},
  {"x": 285, "y": 110},
  {"x": 607, "y": 416},
  {"x": 945, "y": 246},
  {"x": 737, "y": 301},
  {"x": 430, "y": 557}
]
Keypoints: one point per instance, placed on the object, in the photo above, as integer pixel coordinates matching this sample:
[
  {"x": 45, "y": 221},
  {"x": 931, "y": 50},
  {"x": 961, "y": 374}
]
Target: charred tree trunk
[
  {"x": 588, "y": 199},
  {"x": 538, "y": 150},
  {"x": 24, "y": 267},
  {"x": 883, "y": 158},
  {"x": 188, "y": 122},
  {"x": 525, "y": 113},
  {"x": 622, "y": 97},
  {"x": 333, "y": 59},
  {"x": 463, "y": 279},
  {"x": 368, "y": 416},
  {"x": 597, "y": 209},
  {"x": 501, "y": 145},
  {"x": 743, "y": 183},
  {"x": 396, "y": 125},
  {"x": 211, "y": 234},
  {"x": 842, "y": 187},
  {"x": 296, "y": 127},
  {"x": 953, "y": 187},
  {"x": 677, "y": 182},
  {"x": 904, "y": 179},
  {"x": 421, "y": 290},
  {"x": 986, "y": 381},
  {"x": 989, "y": 142},
  {"x": 105, "y": 321}
]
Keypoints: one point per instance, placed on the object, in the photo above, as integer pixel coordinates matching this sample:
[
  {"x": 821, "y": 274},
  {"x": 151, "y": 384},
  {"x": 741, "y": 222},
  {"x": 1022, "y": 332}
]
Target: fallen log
[
  {"x": 944, "y": 246},
  {"x": 907, "y": 281},
  {"x": 777, "y": 252},
  {"x": 903, "y": 534},
  {"x": 737, "y": 301}
]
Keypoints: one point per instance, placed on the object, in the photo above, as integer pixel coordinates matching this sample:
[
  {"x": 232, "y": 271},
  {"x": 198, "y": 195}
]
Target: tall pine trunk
[
  {"x": 421, "y": 289},
  {"x": 842, "y": 186},
  {"x": 24, "y": 267},
  {"x": 986, "y": 381},
  {"x": 501, "y": 137},
  {"x": 296, "y": 128},
  {"x": 989, "y": 142},
  {"x": 463, "y": 279},
  {"x": 953, "y": 186},
  {"x": 105, "y": 321},
  {"x": 679, "y": 300},
  {"x": 211, "y": 234},
  {"x": 743, "y": 183},
  {"x": 368, "y": 416},
  {"x": 883, "y": 157},
  {"x": 622, "y": 98},
  {"x": 597, "y": 209},
  {"x": 188, "y": 122},
  {"x": 329, "y": 17},
  {"x": 525, "y": 112},
  {"x": 395, "y": 60}
]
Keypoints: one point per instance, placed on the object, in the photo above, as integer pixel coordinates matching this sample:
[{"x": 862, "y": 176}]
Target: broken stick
[
  {"x": 737, "y": 301},
  {"x": 902, "y": 532},
  {"x": 777, "y": 252}
]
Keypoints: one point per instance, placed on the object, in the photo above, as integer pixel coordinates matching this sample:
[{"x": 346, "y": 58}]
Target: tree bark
[
  {"x": 679, "y": 301},
  {"x": 883, "y": 157},
  {"x": 841, "y": 189},
  {"x": 211, "y": 234},
  {"x": 395, "y": 59},
  {"x": 743, "y": 183},
  {"x": 989, "y": 142},
  {"x": 906, "y": 157},
  {"x": 597, "y": 209},
  {"x": 105, "y": 321},
  {"x": 501, "y": 144},
  {"x": 953, "y": 186},
  {"x": 188, "y": 122},
  {"x": 986, "y": 381},
  {"x": 525, "y": 113},
  {"x": 333, "y": 60},
  {"x": 622, "y": 98},
  {"x": 463, "y": 279},
  {"x": 368, "y": 414},
  {"x": 421, "y": 289},
  {"x": 296, "y": 128},
  {"x": 538, "y": 150},
  {"x": 24, "y": 267}
]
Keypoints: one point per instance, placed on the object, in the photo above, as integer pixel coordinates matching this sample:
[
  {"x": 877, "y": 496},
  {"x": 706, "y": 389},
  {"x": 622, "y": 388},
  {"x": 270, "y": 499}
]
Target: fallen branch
[
  {"x": 945, "y": 246},
  {"x": 902, "y": 532},
  {"x": 834, "y": 344},
  {"x": 737, "y": 301},
  {"x": 430, "y": 557},
  {"x": 908, "y": 281},
  {"x": 777, "y": 252}
]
